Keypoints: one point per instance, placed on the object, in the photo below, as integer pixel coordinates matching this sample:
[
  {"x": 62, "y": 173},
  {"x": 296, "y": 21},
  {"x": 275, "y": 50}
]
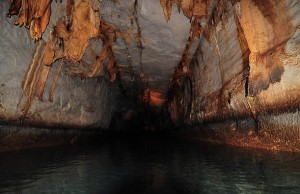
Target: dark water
[{"x": 148, "y": 165}]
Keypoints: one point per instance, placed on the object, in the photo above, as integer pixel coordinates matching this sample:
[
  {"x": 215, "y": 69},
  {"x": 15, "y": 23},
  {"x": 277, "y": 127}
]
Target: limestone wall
[
  {"x": 246, "y": 67},
  {"x": 76, "y": 102}
]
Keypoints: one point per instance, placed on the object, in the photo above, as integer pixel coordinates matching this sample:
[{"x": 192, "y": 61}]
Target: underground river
[{"x": 148, "y": 164}]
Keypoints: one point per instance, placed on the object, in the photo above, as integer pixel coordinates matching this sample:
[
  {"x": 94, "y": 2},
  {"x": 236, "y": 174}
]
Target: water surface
[{"x": 148, "y": 165}]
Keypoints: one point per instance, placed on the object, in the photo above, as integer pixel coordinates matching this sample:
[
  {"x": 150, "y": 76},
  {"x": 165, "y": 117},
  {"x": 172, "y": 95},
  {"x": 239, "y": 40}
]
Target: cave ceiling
[{"x": 138, "y": 43}]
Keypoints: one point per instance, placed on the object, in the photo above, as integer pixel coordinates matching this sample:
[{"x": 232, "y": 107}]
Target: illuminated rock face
[
  {"x": 249, "y": 61},
  {"x": 245, "y": 73}
]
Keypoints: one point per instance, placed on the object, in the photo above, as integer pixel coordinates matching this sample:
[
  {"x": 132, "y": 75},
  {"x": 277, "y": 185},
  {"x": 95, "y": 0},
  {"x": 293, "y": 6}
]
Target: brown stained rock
[
  {"x": 84, "y": 26},
  {"x": 187, "y": 8},
  {"x": 167, "y": 8},
  {"x": 112, "y": 69},
  {"x": 190, "y": 8},
  {"x": 39, "y": 87},
  {"x": 14, "y": 8},
  {"x": 200, "y": 8},
  {"x": 69, "y": 41},
  {"x": 97, "y": 66},
  {"x": 61, "y": 29},
  {"x": 69, "y": 9},
  {"x": 32, "y": 66},
  {"x": 31, "y": 85},
  {"x": 245, "y": 51},
  {"x": 260, "y": 69},
  {"x": 40, "y": 20},
  {"x": 265, "y": 70},
  {"x": 35, "y": 15},
  {"x": 243, "y": 41},
  {"x": 271, "y": 136},
  {"x": 267, "y": 26},
  {"x": 196, "y": 27},
  {"x": 265, "y": 30}
]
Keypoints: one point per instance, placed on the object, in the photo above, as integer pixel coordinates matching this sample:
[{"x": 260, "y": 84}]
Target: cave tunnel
[{"x": 149, "y": 96}]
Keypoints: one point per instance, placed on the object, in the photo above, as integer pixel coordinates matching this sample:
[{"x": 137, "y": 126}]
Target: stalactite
[
  {"x": 43, "y": 76},
  {"x": 32, "y": 65},
  {"x": 67, "y": 41},
  {"x": 190, "y": 8},
  {"x": 30, "y": 89},
  {"x": 49, "y": 58},
  {"x": 167, "y": 8},
  {"x": 14, "y": 8},
  {"x": 34, "y": 14}
]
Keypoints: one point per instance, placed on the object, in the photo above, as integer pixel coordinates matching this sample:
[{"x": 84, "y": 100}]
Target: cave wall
[
  {"x": 76, "y": 102},
  {"x": 245, "y": 73},
  {"x": 146, "y": 49}
]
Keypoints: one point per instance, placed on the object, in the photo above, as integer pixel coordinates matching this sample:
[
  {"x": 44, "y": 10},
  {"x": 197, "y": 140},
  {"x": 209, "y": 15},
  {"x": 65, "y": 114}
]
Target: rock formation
[
  {"x": 243, "y": 74},
  {"x": 231, "y": 65},
  {"x": 32, "y": 14}
]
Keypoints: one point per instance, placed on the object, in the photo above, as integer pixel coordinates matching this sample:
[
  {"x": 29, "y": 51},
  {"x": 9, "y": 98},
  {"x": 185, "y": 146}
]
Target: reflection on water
[{"x": 149, "y": 165}]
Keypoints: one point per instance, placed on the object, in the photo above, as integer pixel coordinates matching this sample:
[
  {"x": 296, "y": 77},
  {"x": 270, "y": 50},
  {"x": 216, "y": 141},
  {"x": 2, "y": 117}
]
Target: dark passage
[{"x": 149, "y": 164}]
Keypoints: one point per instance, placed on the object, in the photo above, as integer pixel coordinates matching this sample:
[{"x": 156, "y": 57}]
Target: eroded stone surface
[
  {"x": 247, "y": 68},
  {"x": 76, "y": 102}
]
